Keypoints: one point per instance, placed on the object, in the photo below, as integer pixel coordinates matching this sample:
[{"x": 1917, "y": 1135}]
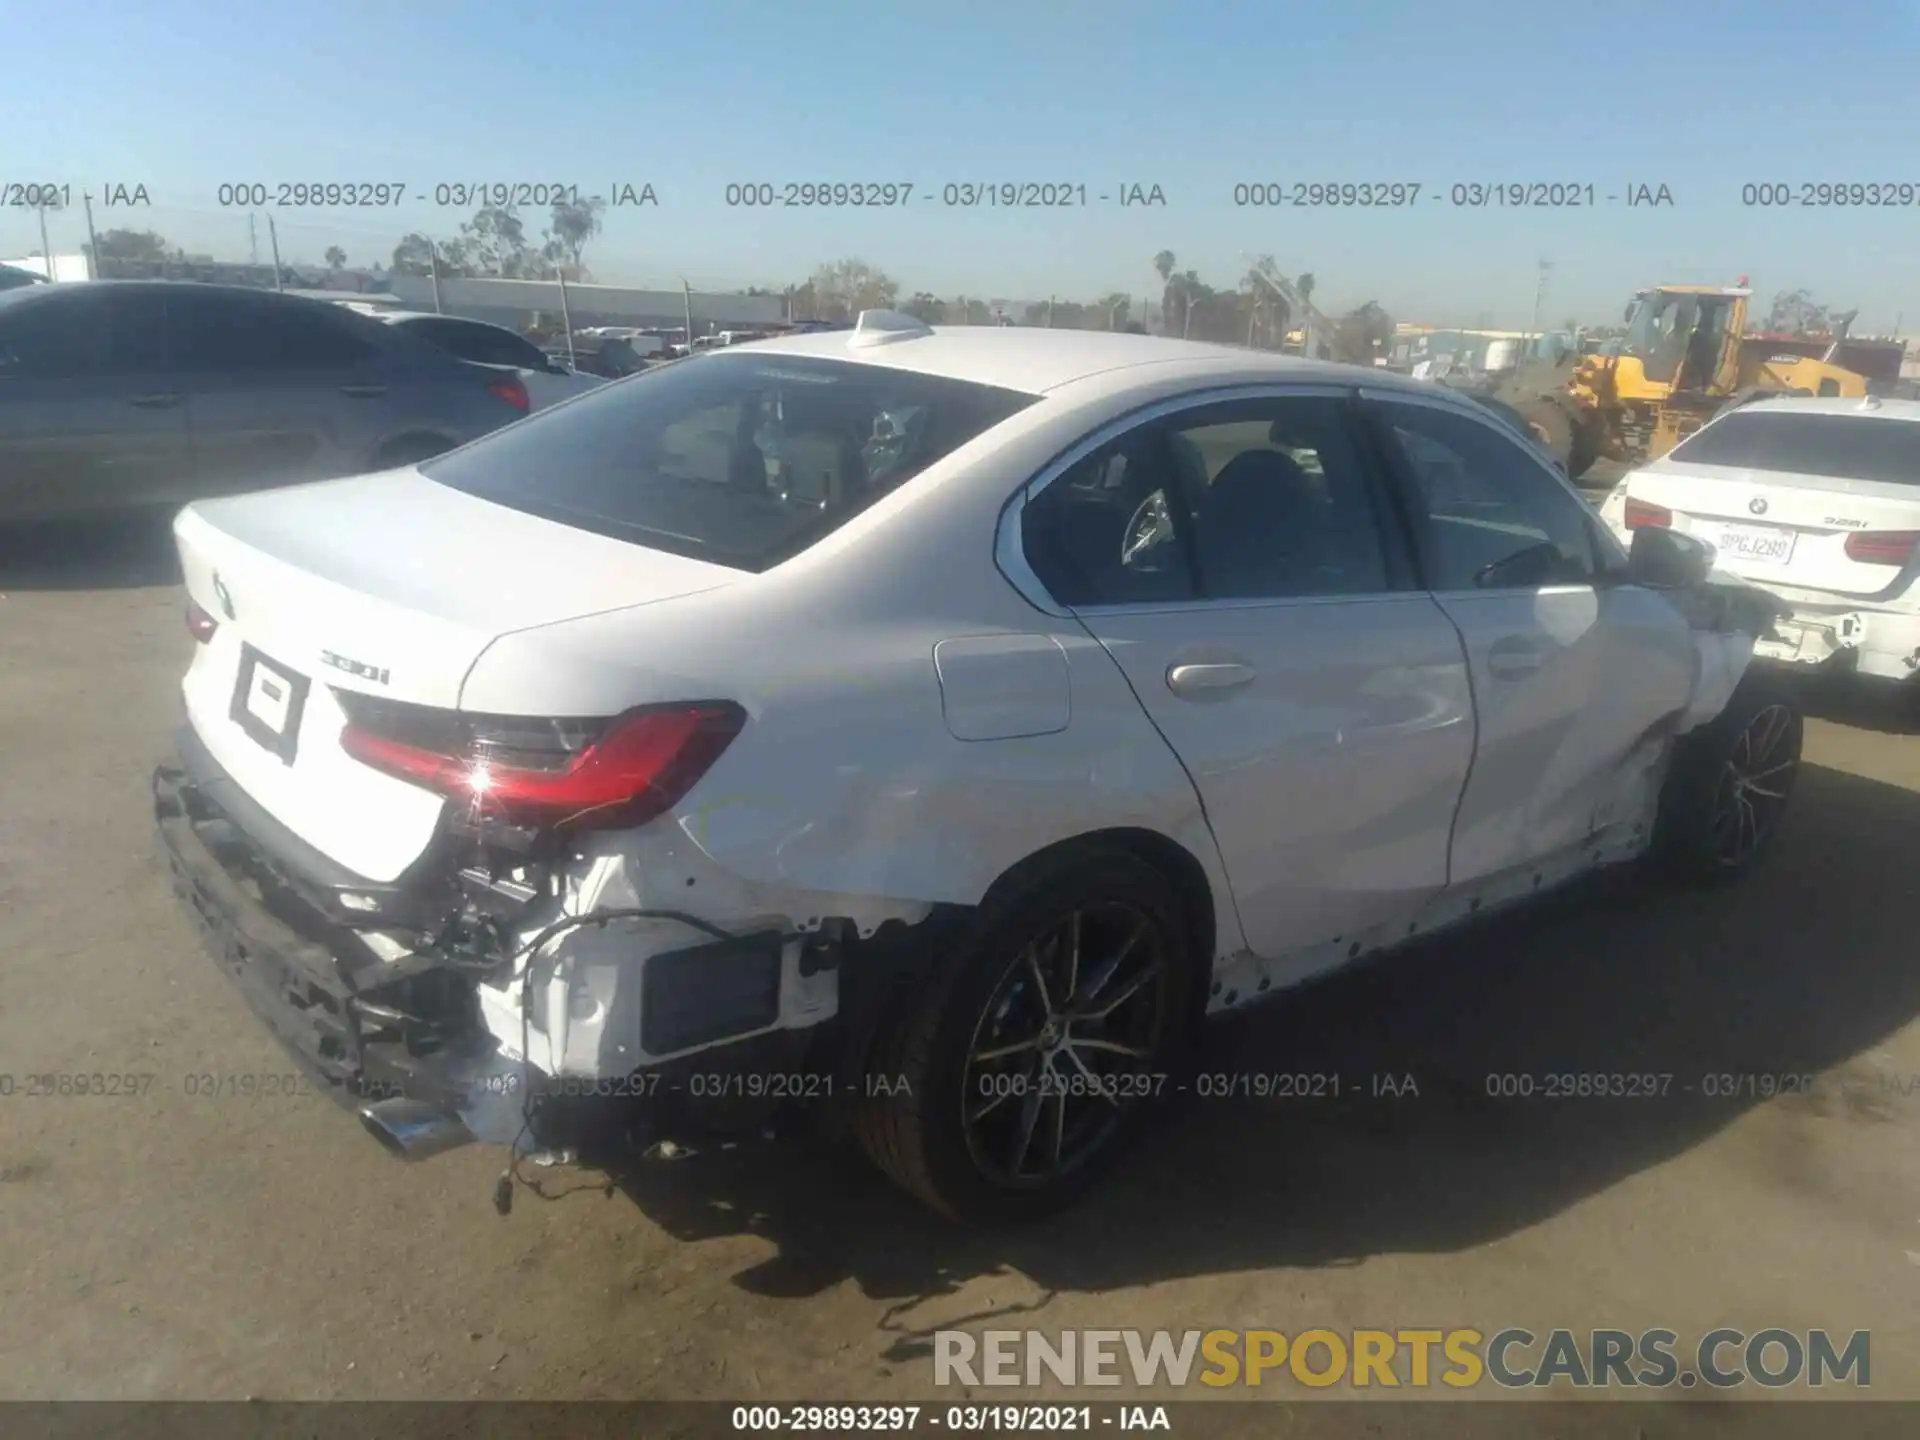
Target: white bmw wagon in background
[
  {"x": 930, "y": 727},
  {"x": 1817, "y": 501}
]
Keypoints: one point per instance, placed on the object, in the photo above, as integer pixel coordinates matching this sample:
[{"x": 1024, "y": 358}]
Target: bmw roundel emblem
[
  {"x": 1755, "y": 506},
  {"x": 223, "y": 595}
]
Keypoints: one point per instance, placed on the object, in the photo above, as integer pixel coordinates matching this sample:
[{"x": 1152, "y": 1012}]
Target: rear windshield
[
  {"x": 744, "y": 460},
  {"x": 1843, "y": 447}
]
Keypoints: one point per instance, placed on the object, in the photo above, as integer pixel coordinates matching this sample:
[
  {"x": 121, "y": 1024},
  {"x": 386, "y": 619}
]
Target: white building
[{"x": 65, "y": 267}]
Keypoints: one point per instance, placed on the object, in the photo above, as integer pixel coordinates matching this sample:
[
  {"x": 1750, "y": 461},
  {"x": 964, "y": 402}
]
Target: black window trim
[
  {"x": 1609, "y": 570},
  {"x": 1403, "y": 570}
]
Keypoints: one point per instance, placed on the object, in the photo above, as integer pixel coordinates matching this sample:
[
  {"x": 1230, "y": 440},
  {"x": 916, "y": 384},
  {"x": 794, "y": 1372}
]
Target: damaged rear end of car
[{"x": 431, "y": 806}]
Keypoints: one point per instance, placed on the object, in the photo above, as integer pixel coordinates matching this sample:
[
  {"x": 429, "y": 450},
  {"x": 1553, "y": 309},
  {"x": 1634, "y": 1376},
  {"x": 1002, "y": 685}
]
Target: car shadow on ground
[
  {"x": 132, "y": 552},
  {"x": 1864, "y": 704},
  {"x": 1799, "y": 968}
]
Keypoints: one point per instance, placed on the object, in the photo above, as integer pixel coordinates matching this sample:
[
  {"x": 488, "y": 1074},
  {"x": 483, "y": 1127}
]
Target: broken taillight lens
[
  {"x": 543, "y": 773},
  {"x": 200, "y": 624},
  {"x": 1882, "y": 547},
  {"x": 1642, "y": 516}
]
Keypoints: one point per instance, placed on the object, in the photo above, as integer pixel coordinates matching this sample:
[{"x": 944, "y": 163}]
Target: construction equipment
[
  {"x": 1686, "y": 356},
  {"x": 1314, "y": 329}
]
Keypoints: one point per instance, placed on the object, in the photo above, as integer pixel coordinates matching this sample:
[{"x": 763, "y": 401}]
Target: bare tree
[
  {"x": 847, "y": 287},
  {"x": 1795, "y": 312},
  {"x": 1364, "y": 334},
  {"x": 567, "y": 236}
]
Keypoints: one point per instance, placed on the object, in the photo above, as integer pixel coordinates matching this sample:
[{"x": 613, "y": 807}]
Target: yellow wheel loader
[{"x": 1686, "y": 356}]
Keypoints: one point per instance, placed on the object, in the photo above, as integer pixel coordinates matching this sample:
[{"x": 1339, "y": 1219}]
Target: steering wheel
[{"x": 1150, "y": 525}]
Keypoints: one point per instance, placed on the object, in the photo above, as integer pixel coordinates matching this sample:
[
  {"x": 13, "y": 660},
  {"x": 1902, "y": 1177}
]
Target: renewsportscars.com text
[{"x": 1460, "y": 1358}]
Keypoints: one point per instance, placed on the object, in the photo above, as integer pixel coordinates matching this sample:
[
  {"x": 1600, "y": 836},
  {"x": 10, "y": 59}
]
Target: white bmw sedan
[
  {"x": 929, "y": 727},
  {"x": 1816, "y": 500}
]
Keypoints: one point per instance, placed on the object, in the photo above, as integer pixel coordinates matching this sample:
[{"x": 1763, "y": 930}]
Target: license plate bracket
[
  {"x": 1761, "y": 544},
  {"x": 268, "y": 700}
]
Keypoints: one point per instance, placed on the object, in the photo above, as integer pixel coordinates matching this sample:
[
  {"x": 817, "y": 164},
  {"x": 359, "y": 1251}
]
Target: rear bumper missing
[
  {"x": 1881, "y": 644},
  {"x": 433, "y": 1045},
  {"x": 364, "y": 1037}
]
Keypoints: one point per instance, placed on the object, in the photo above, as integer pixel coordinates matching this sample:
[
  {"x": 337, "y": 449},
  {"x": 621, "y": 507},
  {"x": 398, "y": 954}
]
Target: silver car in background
[{"x": 127, "y": 395}]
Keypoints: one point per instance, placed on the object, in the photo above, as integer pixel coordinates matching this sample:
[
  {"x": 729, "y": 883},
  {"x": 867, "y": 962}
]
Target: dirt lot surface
[{"x": 180, "y": 1244}]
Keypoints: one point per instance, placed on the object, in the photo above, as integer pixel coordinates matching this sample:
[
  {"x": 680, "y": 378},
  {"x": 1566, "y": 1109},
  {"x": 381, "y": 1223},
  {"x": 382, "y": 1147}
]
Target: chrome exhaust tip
[{"x": 413, "y": 1129}]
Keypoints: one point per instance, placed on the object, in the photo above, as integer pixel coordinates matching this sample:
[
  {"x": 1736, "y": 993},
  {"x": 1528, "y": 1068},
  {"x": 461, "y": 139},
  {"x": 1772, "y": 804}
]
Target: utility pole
[
  {"x": 253, "y": 239},
  {"x": 566, "y": 316},
  {"x": 45, "y": 248},
  {"x": 273, "y": 234},
  {"x": 1539, "y": 298},
  {"x": 433, "y": 269},
  {"x": 686, "y": 299},
  {"x": 93, "y": 242}
]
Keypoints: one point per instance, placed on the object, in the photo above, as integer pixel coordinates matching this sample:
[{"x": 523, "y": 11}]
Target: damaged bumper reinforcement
[{"x": 466, "y": 1002}]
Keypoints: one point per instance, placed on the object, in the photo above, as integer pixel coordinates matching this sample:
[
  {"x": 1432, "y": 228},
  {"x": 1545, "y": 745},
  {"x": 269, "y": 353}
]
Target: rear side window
[
  {"x": 743, "y": 460},
  {"x": 1842, "y": 447},
  {"x": 216, "y": 332},
  {"x": 84, "y": 336},
  {"x": 1264, "y": 499},
  {"x": 482, "y": 344}
]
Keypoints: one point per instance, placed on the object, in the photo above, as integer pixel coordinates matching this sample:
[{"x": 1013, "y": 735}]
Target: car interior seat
[{"x": 1260, "y": 526}]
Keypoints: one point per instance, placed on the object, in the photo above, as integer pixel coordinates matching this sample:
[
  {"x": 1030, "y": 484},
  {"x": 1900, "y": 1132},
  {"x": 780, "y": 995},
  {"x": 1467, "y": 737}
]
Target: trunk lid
[
  {"x": 388, "y": 584},
  {"x": 1783, "y": 527}
]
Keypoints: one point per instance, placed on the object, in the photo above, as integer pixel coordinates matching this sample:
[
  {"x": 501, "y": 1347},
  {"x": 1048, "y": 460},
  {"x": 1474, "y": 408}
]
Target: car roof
[
  {"x": 64, "y": 292},
  {"x": 1036, "y": 360},
  {"x": 1874, "y": 407}
]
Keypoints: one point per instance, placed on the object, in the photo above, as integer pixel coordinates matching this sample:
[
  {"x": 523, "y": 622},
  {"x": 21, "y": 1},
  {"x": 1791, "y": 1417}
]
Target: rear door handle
[
  {"x": 363, "y": 392},
  {"x": 155, "y": 402},
  {"x": 1514, "y": 659},
  {"x": 1192, "y": 679}
]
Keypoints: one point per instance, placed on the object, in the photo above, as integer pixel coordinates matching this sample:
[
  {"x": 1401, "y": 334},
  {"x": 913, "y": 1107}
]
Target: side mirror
[{"x": 1667, "y": 560}]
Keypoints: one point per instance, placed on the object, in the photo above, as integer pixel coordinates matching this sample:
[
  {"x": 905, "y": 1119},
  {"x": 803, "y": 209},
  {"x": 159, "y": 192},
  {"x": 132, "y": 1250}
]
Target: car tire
[
  {"x": 948, "y": 1125},
  {"x": 1730, "y": 783}
]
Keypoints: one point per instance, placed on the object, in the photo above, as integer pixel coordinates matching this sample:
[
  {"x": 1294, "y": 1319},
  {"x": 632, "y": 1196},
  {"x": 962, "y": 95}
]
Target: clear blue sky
[{"x": 182, "y": 95}]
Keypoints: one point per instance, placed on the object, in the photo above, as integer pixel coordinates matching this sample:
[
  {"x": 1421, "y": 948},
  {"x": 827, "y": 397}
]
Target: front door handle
[
  {"x": 163, "y": 401},
  {"x": 363, "y": 392},
  {"x": 1192, "y": 679},
  {"x": 1514, "y": 659}
]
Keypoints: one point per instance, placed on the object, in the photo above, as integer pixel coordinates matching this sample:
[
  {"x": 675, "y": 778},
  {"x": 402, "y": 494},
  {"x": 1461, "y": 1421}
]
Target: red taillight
[
  {"x": 639, "y": 766},
  {"x": 1882, "y": 547},
  {"x": 200, "y": 624},
  {"x": 513, "y": 390},
  {"x": 1642, "y": 516}
]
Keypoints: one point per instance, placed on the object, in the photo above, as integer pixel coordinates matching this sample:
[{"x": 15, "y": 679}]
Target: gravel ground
[{"x": 182, "y": 1245}]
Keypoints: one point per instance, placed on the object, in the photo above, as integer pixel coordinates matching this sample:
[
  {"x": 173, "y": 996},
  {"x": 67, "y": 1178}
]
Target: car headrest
[{"x": 1259, "y": 477}]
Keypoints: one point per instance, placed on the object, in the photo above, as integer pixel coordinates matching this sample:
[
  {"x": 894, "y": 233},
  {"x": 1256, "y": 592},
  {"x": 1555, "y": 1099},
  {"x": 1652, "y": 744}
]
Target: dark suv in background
[{"x": 123, "y": 394}]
